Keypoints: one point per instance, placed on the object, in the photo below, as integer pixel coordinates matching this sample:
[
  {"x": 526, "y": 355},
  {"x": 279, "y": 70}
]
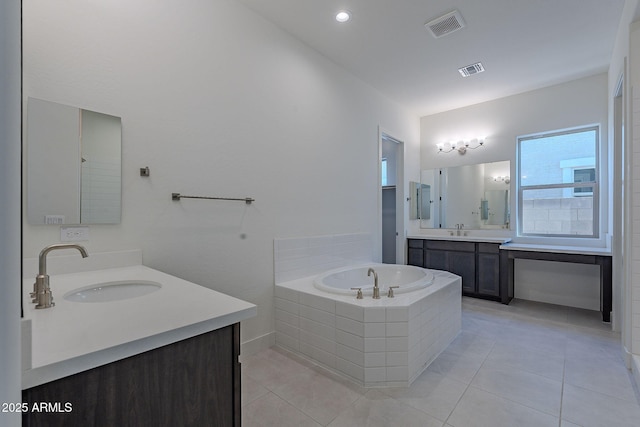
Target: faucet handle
[
  {"x": 391, "y": 288},
  {"x": 359, "y": 294}
]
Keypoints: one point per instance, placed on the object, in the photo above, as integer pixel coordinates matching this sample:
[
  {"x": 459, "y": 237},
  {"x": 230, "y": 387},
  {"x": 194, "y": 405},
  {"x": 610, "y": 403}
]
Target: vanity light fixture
[
  {"x": 505, "y": 179},
  {"x": 343, "y": 16},
  {"x": 461, "y": 146}
]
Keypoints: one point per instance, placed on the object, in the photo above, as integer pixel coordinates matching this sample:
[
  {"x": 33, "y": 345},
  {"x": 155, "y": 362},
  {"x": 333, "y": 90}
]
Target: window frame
[{"x": 571, "y": 186}]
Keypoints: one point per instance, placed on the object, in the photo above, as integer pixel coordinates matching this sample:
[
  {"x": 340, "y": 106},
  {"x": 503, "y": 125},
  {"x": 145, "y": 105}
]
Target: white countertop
[
  {"x": 481, "y": 239},
  {"x": 73, "y": 336},
  {"x": 580, "y": 250}
]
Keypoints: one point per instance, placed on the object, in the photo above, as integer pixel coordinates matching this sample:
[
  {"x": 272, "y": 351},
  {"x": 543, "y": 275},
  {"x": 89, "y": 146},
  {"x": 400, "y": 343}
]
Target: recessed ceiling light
[{"x": 343, "y": 16}]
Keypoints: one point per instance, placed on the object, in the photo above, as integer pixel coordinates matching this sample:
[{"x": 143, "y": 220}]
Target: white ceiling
[{"x": 523, "y": 44}]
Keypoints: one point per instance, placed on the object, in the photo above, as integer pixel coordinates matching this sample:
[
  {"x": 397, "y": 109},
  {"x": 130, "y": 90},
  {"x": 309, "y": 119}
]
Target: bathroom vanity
[
  {"x": 168, "y": 357},
  {"x": 487, "y": 266},
  {"x": 195, "y": 381},
  {"x": 475, "y": 259}
]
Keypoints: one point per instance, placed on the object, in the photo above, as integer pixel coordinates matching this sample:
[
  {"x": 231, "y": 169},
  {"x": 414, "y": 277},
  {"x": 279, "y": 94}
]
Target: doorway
[{"x": 391, "y": 195}]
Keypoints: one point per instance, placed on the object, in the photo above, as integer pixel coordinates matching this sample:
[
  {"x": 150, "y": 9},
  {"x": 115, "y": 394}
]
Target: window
[
  {"x": 384, "y": 172},
  {"x": 558, "y": 183},
  {"x": 584, "y": 175}
]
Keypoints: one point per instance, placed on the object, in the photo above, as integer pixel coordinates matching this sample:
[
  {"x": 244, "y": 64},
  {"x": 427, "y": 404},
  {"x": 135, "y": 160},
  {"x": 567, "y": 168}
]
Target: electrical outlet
[{"x": 74, "y": 234}]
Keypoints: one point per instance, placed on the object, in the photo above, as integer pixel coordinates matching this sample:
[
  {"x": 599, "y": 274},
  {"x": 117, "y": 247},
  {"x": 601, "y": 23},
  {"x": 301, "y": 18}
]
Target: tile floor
[{"x": 525, "y": 364}]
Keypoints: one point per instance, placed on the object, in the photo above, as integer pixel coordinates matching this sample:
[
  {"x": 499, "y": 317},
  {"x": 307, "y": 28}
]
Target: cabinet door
[
  {"x": 436, "y": 260},
  {"x": 464, "y": 264},
  {"x": 415, "y": 257},
  {"x": 489, "y": 274},
  {"x": 415, "y": 252},
  {"x": 195, "y": 381}
]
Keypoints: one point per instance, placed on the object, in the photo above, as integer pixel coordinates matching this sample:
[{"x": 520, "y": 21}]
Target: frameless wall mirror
[
  {"x": 73, "y": 165},
  {"x": 474, "y": 195},
  {"x": 420, "y": 201}
]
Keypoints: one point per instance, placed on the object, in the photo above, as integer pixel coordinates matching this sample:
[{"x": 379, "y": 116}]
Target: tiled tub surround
[
  {"x": 376, "y": 343},
  {"x": 299, "y": 257}
]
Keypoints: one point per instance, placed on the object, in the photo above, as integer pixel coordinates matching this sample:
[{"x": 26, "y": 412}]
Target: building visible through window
[{"x": 584, "y": 175}]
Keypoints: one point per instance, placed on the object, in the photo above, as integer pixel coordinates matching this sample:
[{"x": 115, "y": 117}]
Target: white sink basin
[{"x": 112, "y": 291}]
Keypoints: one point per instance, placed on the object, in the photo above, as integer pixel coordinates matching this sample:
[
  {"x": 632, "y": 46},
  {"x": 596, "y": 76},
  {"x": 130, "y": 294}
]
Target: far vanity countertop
[
  {"x": 580, "y": 250},
  {"x": 480, "y": 239},
  {"x": 72, "y": 337}
]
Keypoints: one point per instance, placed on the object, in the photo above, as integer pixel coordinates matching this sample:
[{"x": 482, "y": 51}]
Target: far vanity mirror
[
  {"x": 73, "y": 165},
  {"x": 477, "y": 196},
  {"x": 420, "y": 201}
]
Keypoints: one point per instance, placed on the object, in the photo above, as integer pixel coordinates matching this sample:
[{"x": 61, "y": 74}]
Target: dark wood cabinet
[
  {"x": 416, "y": 253},
  {"x": 194, "y": 382},
  {"x": 477, "y": 263}
]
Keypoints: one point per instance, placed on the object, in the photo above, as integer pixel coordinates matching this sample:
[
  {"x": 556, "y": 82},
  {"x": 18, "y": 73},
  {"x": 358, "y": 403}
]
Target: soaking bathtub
[
  {"x": 386, "y": 342},
  {"x": 345, "y": 280}
]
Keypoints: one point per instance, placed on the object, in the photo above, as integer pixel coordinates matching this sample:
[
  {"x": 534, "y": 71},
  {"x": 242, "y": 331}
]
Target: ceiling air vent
[
  {"x": 471, "y": 69},
  {"x": 446, "y": 24}
]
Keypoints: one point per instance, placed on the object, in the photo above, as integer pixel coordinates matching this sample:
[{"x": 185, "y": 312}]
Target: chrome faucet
[
  {"x": 41, "y": 291},
  {"x": 376, "y": 289},
  {"x": 459, "y": 228}
]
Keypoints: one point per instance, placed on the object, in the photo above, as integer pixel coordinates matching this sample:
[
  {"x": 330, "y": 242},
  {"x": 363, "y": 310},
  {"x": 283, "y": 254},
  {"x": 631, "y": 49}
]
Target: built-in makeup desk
[{"x": 574, "y": 254}]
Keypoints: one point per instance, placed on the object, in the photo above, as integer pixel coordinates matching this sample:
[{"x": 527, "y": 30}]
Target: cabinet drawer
[
  {"x": 489, "y": 248},
  {"x": 416, "y": 243},
  {"x": 447, "y": 245}
]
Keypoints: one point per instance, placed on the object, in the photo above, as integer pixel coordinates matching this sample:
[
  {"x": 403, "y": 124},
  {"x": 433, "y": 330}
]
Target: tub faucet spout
[
  {"x": 376, "y": 289},
  {"x": 41, "y": 290}
]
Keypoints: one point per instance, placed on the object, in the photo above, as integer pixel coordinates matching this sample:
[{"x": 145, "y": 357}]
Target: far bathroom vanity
[
  {"x": 452, "y": 201},
  {"x": 464, "y": 214},
  {"x": 487, "y": 264},
  {"x": 475, "y": 259},
  {"x": 102, "y": 357}
]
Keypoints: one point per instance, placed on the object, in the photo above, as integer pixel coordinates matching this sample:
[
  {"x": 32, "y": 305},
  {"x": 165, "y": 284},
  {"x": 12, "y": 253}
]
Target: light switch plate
[
  {"x": 74, "y": 234},
  {"x": 54, "y": 219}
]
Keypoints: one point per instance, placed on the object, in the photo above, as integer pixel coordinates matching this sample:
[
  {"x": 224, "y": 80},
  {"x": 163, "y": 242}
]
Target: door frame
[{"x": 400, "y": 197}]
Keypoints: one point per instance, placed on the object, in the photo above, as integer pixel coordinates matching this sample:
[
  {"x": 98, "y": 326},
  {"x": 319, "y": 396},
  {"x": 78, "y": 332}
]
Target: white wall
[
  {"x": 634, "y": 256},
  {"x": 571, "y": 104},
  {"x": 10, "y": 208},
  {"x": 625, "y": 311},
  {"x": 217, "y": 102}
]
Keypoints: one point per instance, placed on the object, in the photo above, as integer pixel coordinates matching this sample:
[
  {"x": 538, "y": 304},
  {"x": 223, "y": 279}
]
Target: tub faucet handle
[
  {"x": 391, "y": 288},
  {"x": 359, "y": 294}
]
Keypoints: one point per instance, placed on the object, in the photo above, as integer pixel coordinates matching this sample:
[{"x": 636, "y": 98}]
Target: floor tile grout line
[
  {"x": 515, "y": 401},
  {"x": 564, "y": 369},
  {"x": 446, "y": 422}
]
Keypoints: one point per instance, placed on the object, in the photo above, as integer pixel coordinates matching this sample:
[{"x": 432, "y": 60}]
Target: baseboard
[
  {"x": 256, "y": 345},
  {"x": 635, "y": 369},
  {"x": 627, "y": 356}
]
